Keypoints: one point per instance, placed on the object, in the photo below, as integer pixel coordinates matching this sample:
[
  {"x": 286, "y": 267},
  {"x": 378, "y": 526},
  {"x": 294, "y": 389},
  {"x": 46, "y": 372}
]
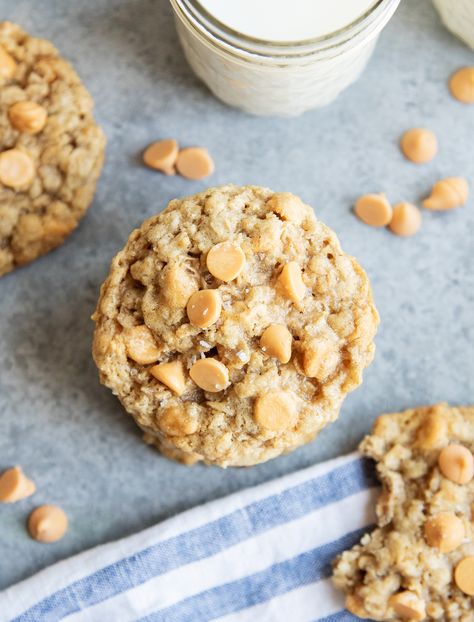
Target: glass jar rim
[{"x": 230, "y": 39}]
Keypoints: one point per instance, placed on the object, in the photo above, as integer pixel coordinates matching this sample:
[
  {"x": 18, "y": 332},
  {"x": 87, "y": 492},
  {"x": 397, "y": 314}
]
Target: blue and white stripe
[{"x": 261, "y": 554}]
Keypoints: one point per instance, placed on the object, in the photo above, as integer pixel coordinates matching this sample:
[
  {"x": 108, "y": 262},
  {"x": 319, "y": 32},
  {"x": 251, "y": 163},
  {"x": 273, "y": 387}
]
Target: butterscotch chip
[
  {"x": 408, "y": 606},
  {"x": 216, "y": 328},
  {"x": 141, "y": 345},
  {"x": 355, "y": 605},
  {"x": 204, "y": 308},
  {"x": 8, "y": 64},
  {"x": 28, "y": 117},
  {"x": 51, "y": 149},
  {"x": 288, "y": 207},
  {"x": 374, "y": 210},
  {"x": 464, "y": 575},
  {"x": 194, "y": 163},
  {"x": 447, "y": 194},
  {"x": 419, "y": 145},
  {"x": 275, "y": 411},
  {"x": 445, "y": 531},
  {"x": 47, "y": 523},
  {"x": 433, "y": 431},
  {"x": 290, "y": 282},
  {"x": 210, "y": 375},
  {"x": 162, "y": 156},
  {"x": 176, "y": 422},
  {"x": 16, "y": 168},
  {"x": 171, "y": 375},
  {"x": 407, "y": 567},
  {"x": 320, "y": 358},
  {"x": 456, "y": 463},
  {"x": 276, "y": 341},
  {"x": 461, "y": 85},
  {"x": 225, "y": 261},
  {"x": 406, "y": 219},
  {"x": 14, "y": 485}
]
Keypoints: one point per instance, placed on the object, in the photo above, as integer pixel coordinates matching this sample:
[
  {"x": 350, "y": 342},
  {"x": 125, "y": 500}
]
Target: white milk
[
  {"x": 458, "y": 16},
  {"x": 287, "y": 20},
  {"x": 279, "y": 57}
]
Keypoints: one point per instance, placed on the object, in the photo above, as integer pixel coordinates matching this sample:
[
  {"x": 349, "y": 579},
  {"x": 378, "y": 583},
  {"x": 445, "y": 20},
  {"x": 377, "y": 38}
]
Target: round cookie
[
  {"x": 51, "y": 149},
  {"x": 232, "y": 325},
  {"x": 418, "y": 563}
]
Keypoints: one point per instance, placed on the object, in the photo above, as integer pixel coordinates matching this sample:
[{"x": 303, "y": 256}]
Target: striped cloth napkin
[{"x": 261, "y": 554}]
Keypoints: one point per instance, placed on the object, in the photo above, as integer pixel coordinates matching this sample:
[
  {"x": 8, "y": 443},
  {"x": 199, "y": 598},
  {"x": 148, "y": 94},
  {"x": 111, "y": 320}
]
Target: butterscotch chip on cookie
[
  {"x": 51, "y": 149},
  {"x": 418, "y": 564},
  {"x": 228, "y": 354}
]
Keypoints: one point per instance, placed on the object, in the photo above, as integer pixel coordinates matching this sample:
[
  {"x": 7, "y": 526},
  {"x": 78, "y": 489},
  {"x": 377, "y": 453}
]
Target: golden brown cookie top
[
  {"x": 260, "y": 322},
  {"x": 51, "y": 149}
]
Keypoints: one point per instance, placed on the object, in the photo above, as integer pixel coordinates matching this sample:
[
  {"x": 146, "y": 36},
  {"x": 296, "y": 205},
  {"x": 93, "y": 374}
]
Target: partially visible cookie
[
  {"x": 418, "y": 564},
  {"x": 232, "y": 325},
  {"x": 51, "y": 149}
]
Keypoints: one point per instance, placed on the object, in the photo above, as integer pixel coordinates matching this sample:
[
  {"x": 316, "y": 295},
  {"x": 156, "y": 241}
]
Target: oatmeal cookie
[
  {"x": 232, "y": 325},
  {"x": 418, "y": 564},
  {"x": 51, "y": 150}
]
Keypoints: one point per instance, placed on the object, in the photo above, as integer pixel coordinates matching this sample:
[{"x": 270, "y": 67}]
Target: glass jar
[
  {"x": 458, "y": 17},
  {"x": 277, "y": 79}
]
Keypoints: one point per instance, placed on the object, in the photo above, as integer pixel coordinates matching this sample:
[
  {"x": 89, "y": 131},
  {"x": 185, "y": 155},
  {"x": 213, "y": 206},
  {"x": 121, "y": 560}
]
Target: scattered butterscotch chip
[
  {"x": 320, "y": 358},
  {"x": 276, "y": 341},
  {"x": 171, "y": 375},
  {"x": 461, "y": 85},
  {"x": 374, "y": 210},
  {"x": 47, "y": 523},
  {"x": 445, "y": 531},
  {"x": 225, "y": 261},
  {"x": 406, "y": 219},
  {"x": 291, "y": 282},
  {"x": 464, "y": 575},
  {"x": 275, "y": 411},
  {"x": 14, "y": 485},
  {"x": 162, "y": 155},
  {"x": 408, "y": 606},
  {"x": 176, "y": 422},
  {"x": 194, "y": 163},
  {"x": 456, "y": 463},
  {"x": 141, "y": 345},
  {"x": 204, "y": 308},
  {"x": 288, "y": 206},
  {"x": 16, "y": 168},
  {"x": 210, "y": 375},
  {"x": 28, "y": 117},
  {"x": 419, "y": 145},
  {"x": 7, "y": 64},
  {"x": 447, "y": 194}
]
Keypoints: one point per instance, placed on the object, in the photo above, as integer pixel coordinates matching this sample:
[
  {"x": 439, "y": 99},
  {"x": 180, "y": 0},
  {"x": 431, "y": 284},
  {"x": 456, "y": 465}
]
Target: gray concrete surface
[{"x": 70, "y": 434}]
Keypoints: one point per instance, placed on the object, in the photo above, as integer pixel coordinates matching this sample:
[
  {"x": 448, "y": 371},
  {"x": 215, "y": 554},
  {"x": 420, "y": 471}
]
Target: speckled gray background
[{"x": 69, "y": 433}]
